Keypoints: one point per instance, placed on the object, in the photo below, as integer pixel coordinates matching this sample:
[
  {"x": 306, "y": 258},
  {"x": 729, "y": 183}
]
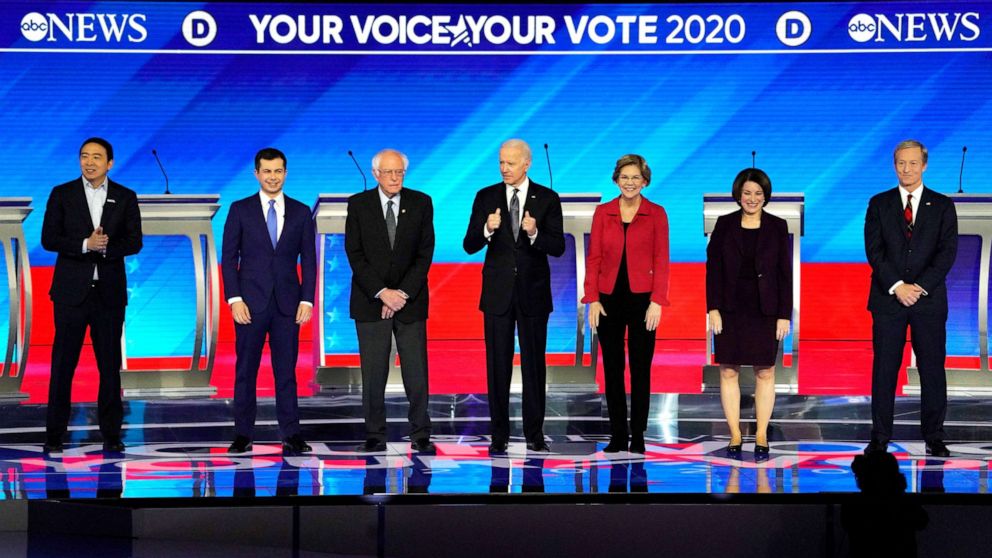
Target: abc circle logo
[
  {"x": 862, "y": 28},
  {"x": 34, "y": 27},
  {"x": 793, "y": 28},
  {"x": 199, "y": 28}
]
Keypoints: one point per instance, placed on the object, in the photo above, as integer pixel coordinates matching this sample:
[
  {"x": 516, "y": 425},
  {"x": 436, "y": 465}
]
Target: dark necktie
[
  {"x": 272, "y": 222},
  {"x": 515, "y": 213},
  {"x": 390, "y": 223},
  {"x": 908, "y": 216}
]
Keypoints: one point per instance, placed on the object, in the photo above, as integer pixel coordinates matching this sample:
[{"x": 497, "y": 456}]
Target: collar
[
  {"x": 523, "y": 186},
  {"x": 613, "y": 206},
  {"x": 384, "y": 199},
  {"x": 280, "y": 199},
  {"x": 917, "y": 194},
  {"x": 89, "y": 185}
]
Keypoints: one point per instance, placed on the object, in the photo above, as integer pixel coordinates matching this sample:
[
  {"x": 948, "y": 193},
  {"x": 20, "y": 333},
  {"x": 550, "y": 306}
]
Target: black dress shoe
[
  {"x": 113, "y": 446},
  {"x": 372, "y": 445},
  {"x": 734, "y": 450},
  {"x": 760, "y": 450},
  {"x": 937, "y": 448},
  {"x": 497, "y": 446},
  {"x": 876, "y": 446},
  {"x": 616, "y": 445},
  {"x": 53, "y": 446},
  {"x": 538, "y": 445},
  {"x": 423, "y": 445},
  {"x": 240, "y": 444},
  {"x": 637, "y": 444},
  {"x": 295, "y": 445}
]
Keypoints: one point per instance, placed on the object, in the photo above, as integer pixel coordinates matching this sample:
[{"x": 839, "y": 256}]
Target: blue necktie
[{"x": 272, "y": 222}]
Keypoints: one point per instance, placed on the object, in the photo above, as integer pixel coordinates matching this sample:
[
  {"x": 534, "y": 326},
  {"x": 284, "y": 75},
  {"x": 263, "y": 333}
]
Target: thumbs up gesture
[
  {"x": 492, "y": 223},
  {"x": 529, "y": 224}
]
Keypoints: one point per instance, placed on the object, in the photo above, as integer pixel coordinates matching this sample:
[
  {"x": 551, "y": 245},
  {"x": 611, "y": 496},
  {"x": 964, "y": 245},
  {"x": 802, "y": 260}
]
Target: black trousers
[
  {"x": 533, "y": 336},
  {"x": 106, "y": 324},
  {"x": 929, "y": 339},
  {"x": 374, "y": 346},
  {"x": 621, "y": 319}
]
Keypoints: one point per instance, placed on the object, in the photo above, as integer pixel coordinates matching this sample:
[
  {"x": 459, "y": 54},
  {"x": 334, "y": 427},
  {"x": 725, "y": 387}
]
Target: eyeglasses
[
  {"x": 398, "y": 173},
  {"x": 625, "y": 178}
]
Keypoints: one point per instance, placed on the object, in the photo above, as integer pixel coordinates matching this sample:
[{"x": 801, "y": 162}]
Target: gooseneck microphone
[
  {"x": 161, "y": 168},
  {"x": 964, "y": 151},
  {"x": 365, "y": 182},
  {"x": 547, "y": 157},
  {"x": 753, "y": 157}
]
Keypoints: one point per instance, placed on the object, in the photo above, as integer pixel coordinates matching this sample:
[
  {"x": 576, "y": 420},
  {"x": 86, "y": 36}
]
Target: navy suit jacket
[
  {"x": 255, "y": 271},
  {"x": 924, "y": 260},
  {"x": 376, "y": 266},
  {"x": 516, "y": 265},
  {"x": 773, "y": 262},
  {"x": 67, "y": 223}
]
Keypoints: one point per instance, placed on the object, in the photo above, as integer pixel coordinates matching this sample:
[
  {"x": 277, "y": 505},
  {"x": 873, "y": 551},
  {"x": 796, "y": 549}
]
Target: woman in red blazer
[
  {"x": 749, "y": 300},
  {"x": 626, "y": 285}
]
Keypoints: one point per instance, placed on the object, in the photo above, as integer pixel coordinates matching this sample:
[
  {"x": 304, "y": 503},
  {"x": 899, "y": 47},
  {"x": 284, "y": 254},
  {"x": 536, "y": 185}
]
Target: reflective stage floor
[{"x": 178, "y": 449}]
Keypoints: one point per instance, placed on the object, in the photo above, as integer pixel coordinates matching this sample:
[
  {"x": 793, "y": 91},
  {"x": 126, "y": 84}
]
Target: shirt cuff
[
  {"x": 379, "y": 293},
  {"x": 486, "y": 233},
  {"x": 925, "y": 293},
  {"x": 406, "y": 296},
  {"x": 310, "y": 304},
  {"x": 234, "y": 299},
  {"x": 892, "y": 289},
  {"x": 86, "y": 248},
  {"x": 533, "y": 238}
]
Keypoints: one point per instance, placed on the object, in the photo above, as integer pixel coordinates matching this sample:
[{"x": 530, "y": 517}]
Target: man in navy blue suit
[
  {"x": 911, "y": 240},
  {"x": 265, "y": 235}
]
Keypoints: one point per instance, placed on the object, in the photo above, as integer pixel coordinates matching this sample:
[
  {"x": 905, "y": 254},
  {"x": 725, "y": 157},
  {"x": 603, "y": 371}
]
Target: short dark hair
[
  {"x": 269, "y": 153},
  {"x": 636, "y": 160},
  {"x": 101, "y": 142},
  {"x": 757, "y": 176}
]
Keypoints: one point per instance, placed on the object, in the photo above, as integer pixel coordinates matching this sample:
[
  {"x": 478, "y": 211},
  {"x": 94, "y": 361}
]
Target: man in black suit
[
  {"x": 265, "y": 236},
  {"x": 389, "y": 239},
  {"x": 516, "y": 287},
  {"x": 911, "y": 240},
  {"x": 92, "y": 223}
]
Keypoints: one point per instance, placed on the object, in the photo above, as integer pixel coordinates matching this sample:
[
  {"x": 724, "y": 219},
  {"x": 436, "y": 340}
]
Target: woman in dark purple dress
[{"x": 749, "y": 299}]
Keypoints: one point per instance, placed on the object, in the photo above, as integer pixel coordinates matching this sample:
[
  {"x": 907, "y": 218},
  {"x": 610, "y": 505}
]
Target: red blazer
[{"x": 647, "y": 251}]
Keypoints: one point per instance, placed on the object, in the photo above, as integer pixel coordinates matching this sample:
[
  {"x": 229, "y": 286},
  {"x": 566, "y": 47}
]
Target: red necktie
[{"x": 908, "y": 215}]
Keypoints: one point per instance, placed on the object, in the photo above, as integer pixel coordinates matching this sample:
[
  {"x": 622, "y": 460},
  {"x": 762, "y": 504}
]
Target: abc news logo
[
  {"x": 914, "y": 27},
  {"x": 84, "y": 28}
]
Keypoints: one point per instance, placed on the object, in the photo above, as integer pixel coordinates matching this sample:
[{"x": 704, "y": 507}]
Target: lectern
[{"x": 13, "y": 212}]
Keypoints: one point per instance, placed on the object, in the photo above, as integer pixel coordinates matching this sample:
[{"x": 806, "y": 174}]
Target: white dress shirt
[
  {"x": 522, "y": 190},
  {"x": 915, "y": 201},
  {"x": 95, "y": 200}
]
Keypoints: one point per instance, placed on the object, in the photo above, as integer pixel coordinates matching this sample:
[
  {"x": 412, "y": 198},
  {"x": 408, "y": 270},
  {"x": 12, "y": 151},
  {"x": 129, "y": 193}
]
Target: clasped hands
[
  {"x": 392, "y": 302},
  {"x": 716, "y": 325},
  {"x": 651, "y": 317},
  {"x": 97, "y": 242},
  {"x": 907, "y": 294},
  {"x": 241, "y": 314},
  {"x": 528, "y": 224}
]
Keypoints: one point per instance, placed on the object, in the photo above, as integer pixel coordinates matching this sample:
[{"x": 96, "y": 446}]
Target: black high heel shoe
[
  {"x": 616, "y": 445},
  {"x": 734, "y": 450},
  {"x": 761, "y": 452}
]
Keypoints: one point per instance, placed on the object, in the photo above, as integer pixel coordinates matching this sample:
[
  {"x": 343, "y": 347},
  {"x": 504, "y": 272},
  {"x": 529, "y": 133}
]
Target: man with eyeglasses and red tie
[
  {"x": 389, "y": 239},
  {"x": 911, "y": 240}
]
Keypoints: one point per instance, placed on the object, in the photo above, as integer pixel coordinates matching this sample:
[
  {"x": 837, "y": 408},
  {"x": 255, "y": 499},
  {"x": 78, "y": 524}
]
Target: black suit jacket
[
  {"x": 925, "y": 259},
  {"x": 67, "y": 223},
  {"x": 517, "y": 265},
  {"x": 773, "y": 262},
  {"x": 376, "y": 266}
]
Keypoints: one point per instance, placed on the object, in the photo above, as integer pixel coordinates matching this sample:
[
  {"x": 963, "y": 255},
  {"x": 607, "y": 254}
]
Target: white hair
[
  {"x": 517, "y": 144},
  {"x": 377, "y": 156}
]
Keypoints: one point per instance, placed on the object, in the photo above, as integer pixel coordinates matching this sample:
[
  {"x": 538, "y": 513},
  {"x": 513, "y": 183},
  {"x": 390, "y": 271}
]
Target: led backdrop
[{"x": 821, "y": 91}]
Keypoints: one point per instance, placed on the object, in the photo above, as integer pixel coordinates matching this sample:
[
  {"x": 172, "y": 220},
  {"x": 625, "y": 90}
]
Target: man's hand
[
  {"x": 529, "y": 224},
  {"x": 97, "y": 242},
  {"x": 239, "y": 310},
  {"x": 303, "y": 313},
  {"x": 493, "y": 221},
  {"x": 908, "y": 295},
  {"x": 392, "y": 299}
]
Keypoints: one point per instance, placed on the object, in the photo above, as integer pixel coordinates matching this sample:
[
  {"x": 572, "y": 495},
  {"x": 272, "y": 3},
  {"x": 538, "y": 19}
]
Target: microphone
[
  {"x": 161, "y": 168},
  {"x": 753, "y": 153},
  {"x": 964, "y": 151},
  {"x": 548, "y": 158},
  {"x": 365, "y": 182}
]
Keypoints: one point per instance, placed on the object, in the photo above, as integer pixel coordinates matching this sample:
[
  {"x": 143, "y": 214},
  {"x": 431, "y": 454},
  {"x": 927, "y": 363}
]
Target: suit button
[
  {"x": 907, "y": 270},
  {"x": 759, "y": 276},
  {"x": 910, "y": 251}
]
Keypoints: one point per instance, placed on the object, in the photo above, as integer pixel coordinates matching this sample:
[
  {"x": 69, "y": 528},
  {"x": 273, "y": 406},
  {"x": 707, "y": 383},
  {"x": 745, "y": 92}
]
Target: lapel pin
[
  {"x": 928, "y": 203},
  {"x": 402, "y": 211},
  {"x": 533, "y": 197},
  {"x": 111, "y": 201}
]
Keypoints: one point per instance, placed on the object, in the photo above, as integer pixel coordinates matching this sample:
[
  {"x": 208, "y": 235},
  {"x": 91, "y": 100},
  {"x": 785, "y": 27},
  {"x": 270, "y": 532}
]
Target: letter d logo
[
  {"x": 793, "y": 28},
  {"x": 199, "y": 28}
]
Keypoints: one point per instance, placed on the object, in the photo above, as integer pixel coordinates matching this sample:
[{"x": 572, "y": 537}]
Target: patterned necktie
[
  {"x": 272, "y": 222},
  {"x": 390, "y": 223},
  {"x": 515, "y": 213},
  {"x": 908, "y": 216}
]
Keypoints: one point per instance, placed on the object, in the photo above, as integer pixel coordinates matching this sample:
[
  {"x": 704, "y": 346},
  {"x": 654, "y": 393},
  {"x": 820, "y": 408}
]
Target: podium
[
  {"x": 788, "y": 206},
  {"x": 974, "y": 219},
  {"x": 13, "y": 212},
  {"x": 187, "y": 219}
]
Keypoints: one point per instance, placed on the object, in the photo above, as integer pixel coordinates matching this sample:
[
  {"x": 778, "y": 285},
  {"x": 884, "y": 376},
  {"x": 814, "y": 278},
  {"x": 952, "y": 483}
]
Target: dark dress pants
[
  {"x": 620, "y": 319},
  {"x": 374, "y": 348},
  {"x": 533, "y": 336},
  {"x": 284, "y": 346},
  {"x": 106, "y": 323},
  {"x": 928, "y": 336}
]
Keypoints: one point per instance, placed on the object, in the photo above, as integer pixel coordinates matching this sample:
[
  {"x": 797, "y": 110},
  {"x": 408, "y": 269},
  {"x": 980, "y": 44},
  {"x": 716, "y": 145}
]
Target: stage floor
[{"x": 177, "y": 449}]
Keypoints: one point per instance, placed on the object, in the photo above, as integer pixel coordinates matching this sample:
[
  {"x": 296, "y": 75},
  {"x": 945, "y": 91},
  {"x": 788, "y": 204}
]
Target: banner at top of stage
[{"x": 459, "y": 29}]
